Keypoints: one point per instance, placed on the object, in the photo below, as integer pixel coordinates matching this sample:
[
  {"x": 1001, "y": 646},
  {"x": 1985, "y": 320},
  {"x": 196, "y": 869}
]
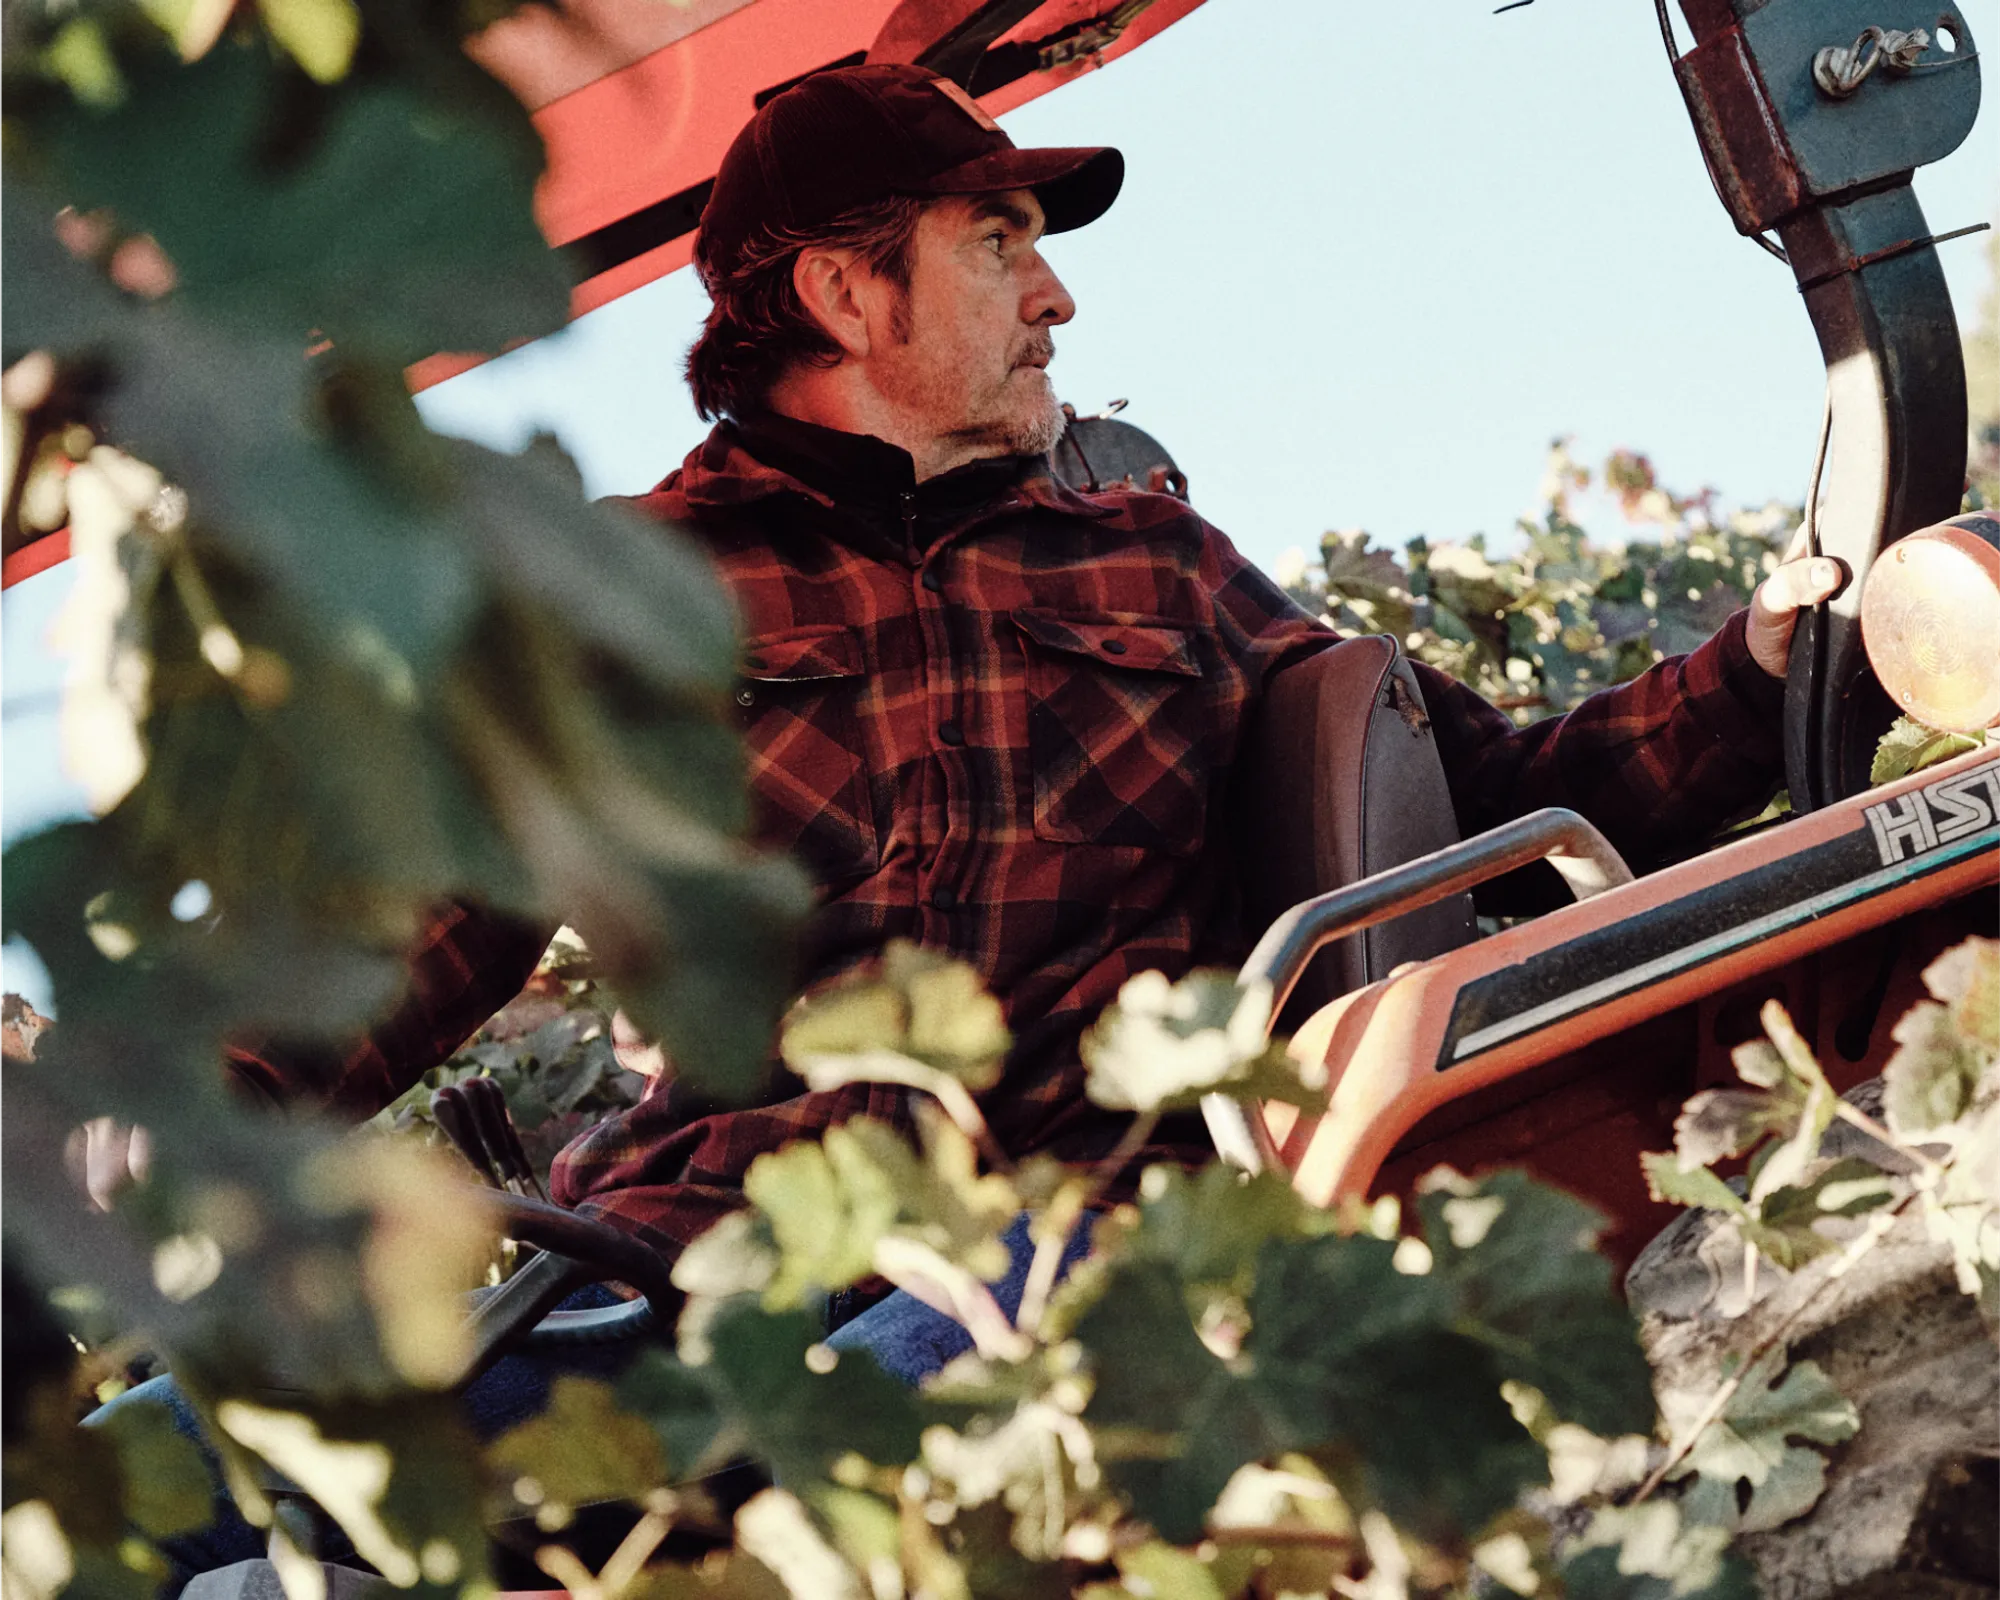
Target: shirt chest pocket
[
  {"x": 1122, "y": 731},
  {"x": 797, "y": 709}
]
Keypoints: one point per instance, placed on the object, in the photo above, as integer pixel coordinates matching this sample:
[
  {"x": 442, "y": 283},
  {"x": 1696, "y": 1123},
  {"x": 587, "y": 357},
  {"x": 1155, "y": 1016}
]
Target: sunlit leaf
[
  {"x": 318, "y": 34},
  {"x": 37, "y": 1554},
  {"x": 584, "y": 1447},
  {"x": 1165, "y": 1044},
  {"x": 1158, "y": 1571},
  {"x": 827, "y": 1203},
  {"x": 81, "y": 57},
  {"x": 1910, "y": 747},
  {"x": 773, "y": 1528},
  {"x": 429, "y": 1243},
  {"x": 922, "y": 1014},
  {"x": 1719, "y": 1123},
  {"x": 398, "y": 1478},
  {"x": 1967, "y": 978},
  {"x": 193, "y": 25},
  {"x": 1672, "y": 1184},
  {"x": 954, "y": 1023},
  {"x": 1650, "y": 1552},
  {"x": 1929, "y": 1080},
  {"x": 167, "y": 1488},
  {"x": 1751, "y": 1443}
]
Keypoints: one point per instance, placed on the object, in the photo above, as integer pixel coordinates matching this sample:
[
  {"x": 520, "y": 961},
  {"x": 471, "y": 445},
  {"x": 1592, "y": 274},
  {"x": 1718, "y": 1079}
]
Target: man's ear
[{"x": 829, "y": 286}]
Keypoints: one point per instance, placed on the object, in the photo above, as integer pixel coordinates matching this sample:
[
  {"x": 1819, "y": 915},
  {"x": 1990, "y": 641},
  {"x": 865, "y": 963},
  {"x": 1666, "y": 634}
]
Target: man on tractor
[{"x": 991, "y": 714}]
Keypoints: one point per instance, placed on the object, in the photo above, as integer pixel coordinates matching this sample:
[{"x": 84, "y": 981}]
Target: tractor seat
[{"x": 1339, "y": 779}]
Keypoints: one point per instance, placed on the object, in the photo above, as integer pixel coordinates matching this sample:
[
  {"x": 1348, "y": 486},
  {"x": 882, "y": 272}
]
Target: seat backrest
[{"x": 1339, "y": 778}]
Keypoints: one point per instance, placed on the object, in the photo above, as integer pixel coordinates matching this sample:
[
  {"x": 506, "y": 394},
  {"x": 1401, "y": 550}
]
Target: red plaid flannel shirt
[{"x": 997, "y": 717}]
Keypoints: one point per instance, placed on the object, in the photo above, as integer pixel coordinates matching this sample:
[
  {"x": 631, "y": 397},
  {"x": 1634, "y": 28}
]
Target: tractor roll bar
[{"x": 1574, "y": 847}]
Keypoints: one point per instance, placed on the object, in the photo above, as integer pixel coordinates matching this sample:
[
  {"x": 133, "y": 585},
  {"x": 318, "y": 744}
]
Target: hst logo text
[{"x": 1938, "y": 814}]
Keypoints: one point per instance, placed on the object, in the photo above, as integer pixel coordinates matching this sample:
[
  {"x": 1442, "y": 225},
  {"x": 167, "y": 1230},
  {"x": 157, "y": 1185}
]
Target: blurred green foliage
[
  {"x": 1560, "y": 614},
  {"x": 328, "y": 669},
  {"x": 550, "y": 1050}
]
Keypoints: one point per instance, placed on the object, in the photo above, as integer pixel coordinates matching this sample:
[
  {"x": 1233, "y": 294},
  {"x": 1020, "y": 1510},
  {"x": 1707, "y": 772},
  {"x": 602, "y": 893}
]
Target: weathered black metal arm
[{"x": 1828, "y": 166}]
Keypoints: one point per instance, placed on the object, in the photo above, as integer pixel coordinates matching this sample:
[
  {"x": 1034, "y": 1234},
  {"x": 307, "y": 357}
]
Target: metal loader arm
[{"x": 1813, "y": 116}]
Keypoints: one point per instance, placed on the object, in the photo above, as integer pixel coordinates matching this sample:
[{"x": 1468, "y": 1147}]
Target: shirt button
[
  {"x": 949, "y": 732},
  {"x": 944, "y": 899},
  {"x": 746, "y": 697},
  {"x": 1114, "y": 647},
  {"x": 932, "y": 581}
]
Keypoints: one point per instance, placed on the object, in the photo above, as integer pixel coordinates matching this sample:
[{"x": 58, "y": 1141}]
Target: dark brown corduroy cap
[{"x": 861, "y": 134}]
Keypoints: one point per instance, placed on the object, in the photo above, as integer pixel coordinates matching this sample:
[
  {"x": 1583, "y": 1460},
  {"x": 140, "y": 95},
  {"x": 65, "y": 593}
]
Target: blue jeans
[
  {"x": 906, "y": 1337},
  {"x": 910, "y": 1341},
  {"x": 510, "y": 1391}
]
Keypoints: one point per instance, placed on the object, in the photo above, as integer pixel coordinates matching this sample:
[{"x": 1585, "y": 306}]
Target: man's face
[{"x": 973, "y": 342}]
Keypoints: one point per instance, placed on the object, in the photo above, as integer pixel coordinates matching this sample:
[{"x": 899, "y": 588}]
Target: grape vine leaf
[
  {"x": 583, "y": 1447},
  {"x": 1351, "y": 1354},
  {"x": 1210, "y": 1226},
  {"x": 1930, "y": 1081},
  {"x": 1751, "y": 1444},
  {"x": 921, "y": 1007},
  {"x": 1909, "y": 746},
  {"x": 1652, "y": 1552},
  {"x": 1781, "y": 1225},
  {"x": 1172, "y": 1422},
  {"x": 769, "y": 1391},
  {"x": 1164, "y": 1044},
  {"x": 395, "y": 1474},
  {"x": 166, "y": 1485},
  {"x": 1518, "y": 1257},
  {"x": 1967, "y": 978},
  {"x": 392, "y": 219},
  {"x": 828, "y": 1203}
]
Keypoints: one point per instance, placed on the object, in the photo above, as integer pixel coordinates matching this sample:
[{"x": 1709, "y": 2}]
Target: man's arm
[
  {"x": 468, "y": 963},
  {"x": 1658, "y": 763}
]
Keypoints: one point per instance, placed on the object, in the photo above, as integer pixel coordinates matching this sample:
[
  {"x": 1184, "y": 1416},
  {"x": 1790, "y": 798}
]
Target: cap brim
[{"x": 1074, "y": 186}]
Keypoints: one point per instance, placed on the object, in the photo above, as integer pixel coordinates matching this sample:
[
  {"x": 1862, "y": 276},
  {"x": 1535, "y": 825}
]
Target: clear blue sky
[{"x": 1365, "y": 267}]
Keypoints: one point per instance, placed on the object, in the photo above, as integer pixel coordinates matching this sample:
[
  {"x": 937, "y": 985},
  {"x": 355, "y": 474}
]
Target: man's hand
[
  {"x": 106, "y": 1157},
  {"x": 634, "y": 1051},
  {"x": 1774, "y": 609}
]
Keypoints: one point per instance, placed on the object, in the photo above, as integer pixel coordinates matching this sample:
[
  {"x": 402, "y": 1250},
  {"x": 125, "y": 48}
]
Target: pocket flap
[
  {"x": 1141, "y": 646},
  {"x": 803, "y": 655}
]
